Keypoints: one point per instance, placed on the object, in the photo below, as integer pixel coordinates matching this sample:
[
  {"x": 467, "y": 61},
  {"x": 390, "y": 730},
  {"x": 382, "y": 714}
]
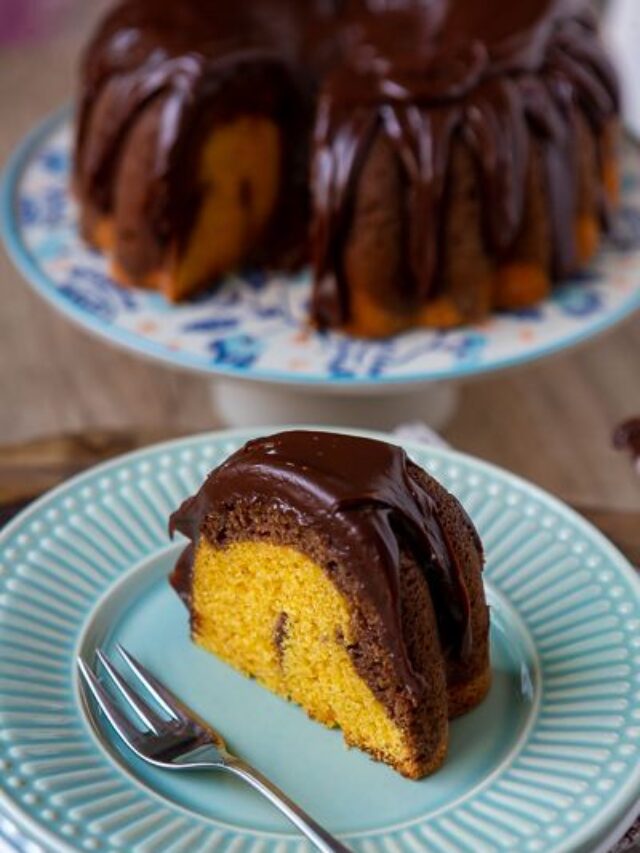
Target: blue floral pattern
[{"x": 255, "y": 324}]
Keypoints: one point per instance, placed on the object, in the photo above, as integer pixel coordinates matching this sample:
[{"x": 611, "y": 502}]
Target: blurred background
[{"x": 550, "y": 422}]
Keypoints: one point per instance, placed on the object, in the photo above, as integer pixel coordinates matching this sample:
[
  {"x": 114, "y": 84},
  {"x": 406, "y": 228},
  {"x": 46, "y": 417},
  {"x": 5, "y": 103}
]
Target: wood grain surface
[{"x": 550, "y": 422}]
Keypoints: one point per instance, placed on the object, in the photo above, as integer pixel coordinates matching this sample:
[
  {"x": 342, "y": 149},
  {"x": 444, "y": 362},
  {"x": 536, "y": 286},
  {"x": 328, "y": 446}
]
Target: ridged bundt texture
[
  {"x": 190, "y": 147},
  {"x": 494, "y": 132},
  {"x": 435, "y": 160},
  {"x": 341, "y": 576}
]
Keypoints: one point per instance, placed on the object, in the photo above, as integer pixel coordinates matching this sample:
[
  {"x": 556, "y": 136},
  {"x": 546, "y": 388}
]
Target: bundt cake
[
  {"x": 434, "y": 159},
  {"x": 343, "y": 577}
]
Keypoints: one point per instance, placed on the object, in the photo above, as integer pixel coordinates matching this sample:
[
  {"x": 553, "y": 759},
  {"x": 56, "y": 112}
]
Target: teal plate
[{"x": 548, "y": 762}]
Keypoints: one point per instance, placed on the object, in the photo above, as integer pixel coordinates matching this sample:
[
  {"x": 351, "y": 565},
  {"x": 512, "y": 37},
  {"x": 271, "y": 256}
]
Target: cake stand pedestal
[{"x": 248, "y": 404}]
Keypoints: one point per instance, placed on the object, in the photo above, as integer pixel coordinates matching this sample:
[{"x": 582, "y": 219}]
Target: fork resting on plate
[{"x": 170, "y": 735}]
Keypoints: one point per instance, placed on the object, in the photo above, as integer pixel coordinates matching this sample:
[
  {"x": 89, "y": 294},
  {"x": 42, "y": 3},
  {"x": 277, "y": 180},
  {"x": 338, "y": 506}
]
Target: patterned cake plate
[
  {"x": 254, "y": 326},
  {"x": 548, "y": 762}
]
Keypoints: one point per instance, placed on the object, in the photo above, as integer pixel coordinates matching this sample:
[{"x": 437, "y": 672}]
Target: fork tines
[{"x": 131, "y": 698}]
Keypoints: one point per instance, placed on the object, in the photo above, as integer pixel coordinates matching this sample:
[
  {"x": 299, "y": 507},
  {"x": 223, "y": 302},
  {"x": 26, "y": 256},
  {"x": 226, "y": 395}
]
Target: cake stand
[{"x": 250, "y": 335}]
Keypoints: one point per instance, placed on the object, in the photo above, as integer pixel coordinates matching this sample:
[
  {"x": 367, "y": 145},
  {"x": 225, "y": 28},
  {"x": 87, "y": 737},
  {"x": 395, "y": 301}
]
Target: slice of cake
[{"x": 342, "y": 576}]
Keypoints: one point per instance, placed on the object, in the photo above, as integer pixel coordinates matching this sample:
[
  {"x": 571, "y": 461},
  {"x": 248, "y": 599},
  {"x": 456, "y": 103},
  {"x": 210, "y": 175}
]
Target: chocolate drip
[
  {"x": 194, "y": 97},
  {"x": 364, "y": 498},
  {"x": 496, "y": 77},
  {"x": 500, "y": 77},
  {"x": 206, "y": 63}
]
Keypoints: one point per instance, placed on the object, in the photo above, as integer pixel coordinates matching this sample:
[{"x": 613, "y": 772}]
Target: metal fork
[{"x": 170, "y": 735}]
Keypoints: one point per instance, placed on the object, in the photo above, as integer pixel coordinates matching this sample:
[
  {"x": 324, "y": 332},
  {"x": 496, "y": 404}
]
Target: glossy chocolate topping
[
  {"x": 364, "y": 498},
  {"x": 199, "y": 63},
  {"x": 497, "y": 77},
  {"x": 627, "y": 437}
]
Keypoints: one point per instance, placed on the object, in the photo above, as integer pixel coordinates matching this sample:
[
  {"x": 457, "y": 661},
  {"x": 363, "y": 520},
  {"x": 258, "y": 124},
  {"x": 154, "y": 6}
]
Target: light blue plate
[
  {"x": 255, "y": 327},
  {"x": 548, "y": 762}
]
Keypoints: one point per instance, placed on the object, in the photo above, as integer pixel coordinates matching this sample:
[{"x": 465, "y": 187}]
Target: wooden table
[{"x": 551, "y": 422}]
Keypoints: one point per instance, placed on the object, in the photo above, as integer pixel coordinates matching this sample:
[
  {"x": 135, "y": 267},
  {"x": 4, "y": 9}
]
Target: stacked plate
[{"x": 548, "y": 762}]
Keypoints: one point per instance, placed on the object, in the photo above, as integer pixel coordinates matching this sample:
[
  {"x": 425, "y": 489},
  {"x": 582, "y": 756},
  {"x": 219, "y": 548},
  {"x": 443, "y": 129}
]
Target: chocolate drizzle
[
  {"x": 496, "y": 77},
  {"x": 364, "y": 498},
  {"x": 201, "y": 63},
  {"x": 502, "y": 78}
]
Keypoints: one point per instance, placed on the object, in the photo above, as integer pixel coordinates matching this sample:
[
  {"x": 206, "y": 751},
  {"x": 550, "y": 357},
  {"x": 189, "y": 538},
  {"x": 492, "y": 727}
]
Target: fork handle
[{"x": 323, "y": 841}]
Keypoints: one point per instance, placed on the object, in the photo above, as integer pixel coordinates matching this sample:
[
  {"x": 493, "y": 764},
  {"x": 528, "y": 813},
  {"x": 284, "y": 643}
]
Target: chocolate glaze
[
  {"x": 205, "y": 63},
  {"x": 497, "y": 76},
  {"x": 627, "y": 437},
  {"x": 364, "y": 498}
]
